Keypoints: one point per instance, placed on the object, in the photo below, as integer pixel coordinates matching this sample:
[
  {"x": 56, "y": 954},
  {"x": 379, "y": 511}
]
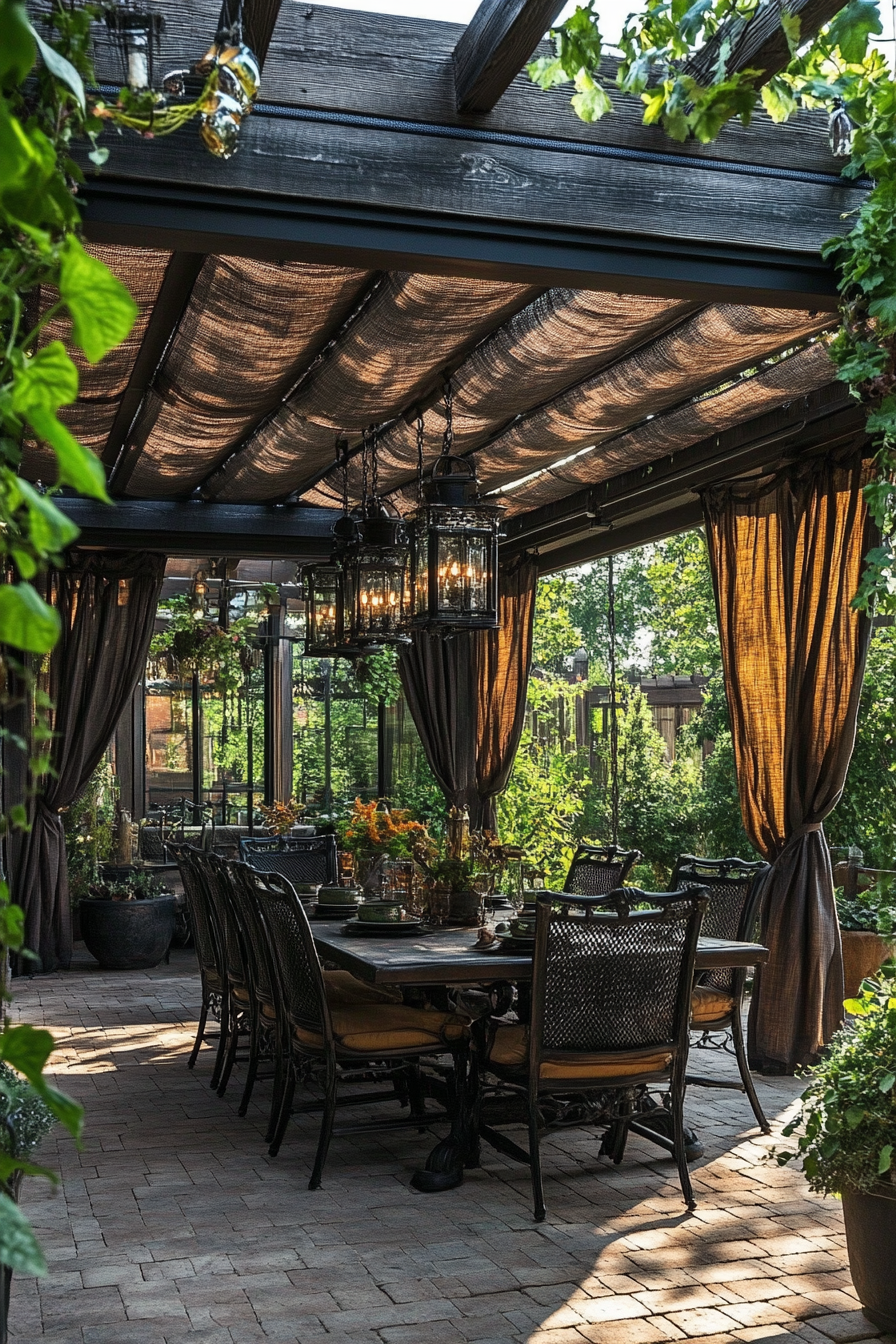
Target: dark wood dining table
[{"x": 448, "y": 956}]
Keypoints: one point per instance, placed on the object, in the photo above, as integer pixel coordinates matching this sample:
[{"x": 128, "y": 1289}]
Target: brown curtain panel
[
  {"x": 107, "y": 603},
  {"x": 786, "y": 556},
  {"x": 503, "y": 666},
  {"x": 467, "y": 697},
  {"x": 438, "y": 676}
]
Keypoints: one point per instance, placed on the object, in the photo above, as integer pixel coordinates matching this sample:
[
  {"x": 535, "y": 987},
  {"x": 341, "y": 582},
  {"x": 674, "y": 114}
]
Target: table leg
[{"x": 445, "y": 1165}]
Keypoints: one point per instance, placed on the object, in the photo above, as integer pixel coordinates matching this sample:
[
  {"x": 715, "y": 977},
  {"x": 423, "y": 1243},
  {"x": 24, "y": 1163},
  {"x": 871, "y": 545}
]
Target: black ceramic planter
[
  {"x": 128, "y": 935},
  {"x": 871, "y": 1245}
]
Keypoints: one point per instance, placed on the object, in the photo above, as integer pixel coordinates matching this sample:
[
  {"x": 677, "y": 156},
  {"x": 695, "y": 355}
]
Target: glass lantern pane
[{"x": 463, "y": 563}]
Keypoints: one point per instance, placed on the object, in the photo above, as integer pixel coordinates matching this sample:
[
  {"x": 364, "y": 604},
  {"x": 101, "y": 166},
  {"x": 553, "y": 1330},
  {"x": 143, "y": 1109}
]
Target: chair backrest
[
  {"x": 298, "y": 858},
  {"x": 293, "y": 954},
  {"x": 259, "y": 954},
  {"x": 610, "y": 978},
  {"x": 207, "y": 933},
  {"x": 597, "y": 870},
  {"x": 734, "y": 891},
  {"x": 214, "y": 872}
]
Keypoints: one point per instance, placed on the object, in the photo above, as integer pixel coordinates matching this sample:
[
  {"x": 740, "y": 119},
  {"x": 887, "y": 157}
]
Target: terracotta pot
[
  {"x": 863, "y": 955},
  {"x": 871, "y": 1244},
  {"x": 463, "y": 907}
]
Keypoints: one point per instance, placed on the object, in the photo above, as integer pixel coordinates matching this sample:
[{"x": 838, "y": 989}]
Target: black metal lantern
[
  {"x": 135, "y": 33},
  {"x": 454, "y": 546},
  {"x": 324, "y": 607},
  {"x": 376, "y": 576}
]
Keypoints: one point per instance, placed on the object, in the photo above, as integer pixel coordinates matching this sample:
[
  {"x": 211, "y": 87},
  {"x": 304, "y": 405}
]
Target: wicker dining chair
[
  {"x": 208, "y": 942},
  {"x": 339, "y": 1035},
  {"x": 239, "y": 1006},
  {"x": 611, "y": 988},
  {"x": 735, "y": 892},
  {"x": 598, "y": 869},
  {"x": 300, "y": 859}
]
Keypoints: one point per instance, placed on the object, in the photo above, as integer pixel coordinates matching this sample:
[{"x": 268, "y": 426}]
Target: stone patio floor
[{"x": 173, "y": 1224}]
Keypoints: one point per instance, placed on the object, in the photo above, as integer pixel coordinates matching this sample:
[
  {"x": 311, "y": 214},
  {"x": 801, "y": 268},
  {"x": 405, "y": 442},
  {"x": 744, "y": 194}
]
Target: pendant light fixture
[
  {"x": 376, "y": 566},
  {"x": 324, "y": 586},
  {"x": 454, "y": 542}
]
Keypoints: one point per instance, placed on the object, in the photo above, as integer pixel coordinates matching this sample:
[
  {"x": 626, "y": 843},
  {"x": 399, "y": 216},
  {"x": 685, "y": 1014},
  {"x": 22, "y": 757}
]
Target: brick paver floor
[{"x": 172, "y": 1223}]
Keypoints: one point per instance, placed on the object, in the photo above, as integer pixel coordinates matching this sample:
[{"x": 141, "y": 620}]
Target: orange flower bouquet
[{"x": 371, "y": 828}]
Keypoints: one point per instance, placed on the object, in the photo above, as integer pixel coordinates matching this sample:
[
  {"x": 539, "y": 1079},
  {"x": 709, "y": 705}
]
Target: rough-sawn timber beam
[
  {"x": 499, "y": 38},
  {"x": 760, "y": 43},
  {"x": 194, "y": 527}
]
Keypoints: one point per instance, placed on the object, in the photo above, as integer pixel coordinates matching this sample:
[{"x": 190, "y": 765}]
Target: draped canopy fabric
[
  {"x": 107, "y": 604},
  {"x": 467, "y": 697},
  {"x": 786, "y": 556}
]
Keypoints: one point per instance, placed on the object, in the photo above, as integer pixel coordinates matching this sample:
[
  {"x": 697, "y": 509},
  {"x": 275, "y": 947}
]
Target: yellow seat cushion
[
  {"x": 345, "y": 990},
  {"x": 240, "y": 993},
  {"x": 510, "y": 1050},
  {"x": 709, "y": 1005},
  {"x": 374, "y": 1027}
]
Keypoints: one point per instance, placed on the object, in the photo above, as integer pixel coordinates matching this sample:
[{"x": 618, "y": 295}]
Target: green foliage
[
  {"x": 848, "y": 1111},
  {"x": 871, "y": 911},
  {"x": 866, "y": 813},
  {"x": 24, "y": 1117},
  {"x": 89, "y": 826},
  {"x": 834, "y": 69}
]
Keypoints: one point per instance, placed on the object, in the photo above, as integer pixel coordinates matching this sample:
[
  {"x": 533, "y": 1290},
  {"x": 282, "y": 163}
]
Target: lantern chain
[
  {"x": 365, "y": 470},
  {"x": 419, "y": 457},
  {"x": 344, "y": 446},
  {"x": 374, "y": 465},
  {"x": 448, "y": 441}
]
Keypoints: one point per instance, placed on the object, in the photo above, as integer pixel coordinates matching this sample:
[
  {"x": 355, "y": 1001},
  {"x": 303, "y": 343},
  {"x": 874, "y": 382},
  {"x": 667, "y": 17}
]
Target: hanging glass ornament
[{"x": 454, "y": 543}]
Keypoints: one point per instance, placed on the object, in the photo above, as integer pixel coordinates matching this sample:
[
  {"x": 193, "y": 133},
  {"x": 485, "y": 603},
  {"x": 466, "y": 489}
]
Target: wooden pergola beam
[
  {"x": 173, "y": 297},
  {"x": 195, "y": 527},
  {"x": 760, "y": 43},
  {"x": 499, "y": 38}
]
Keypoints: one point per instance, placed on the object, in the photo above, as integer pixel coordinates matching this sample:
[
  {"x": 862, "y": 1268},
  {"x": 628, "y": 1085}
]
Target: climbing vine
[{"x": 676, "y": 56}]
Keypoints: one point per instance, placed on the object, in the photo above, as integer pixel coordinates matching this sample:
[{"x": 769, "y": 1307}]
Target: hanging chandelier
[
  {"x": 220, "y": 88},
  {"x": 454, "y": 542},
  {"x": 376, "y": 566}
]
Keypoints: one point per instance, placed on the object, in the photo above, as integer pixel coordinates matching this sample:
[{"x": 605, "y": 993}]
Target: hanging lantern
[
  {"x": 454, "y": 544},
  {"x": 198, "y": 596},
  {"x": 376, "y": 578},
  {"x": 324, "y": 608}
]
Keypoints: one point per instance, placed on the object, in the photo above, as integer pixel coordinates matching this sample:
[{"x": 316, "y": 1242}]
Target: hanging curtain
[
  {"x": 438, "y": 677},
  {"x": 504, "y": 661},
  {"x": 107, "y": 603},
  {"x": 786, "y": 556},
  {"x": 467, "y": 697}
]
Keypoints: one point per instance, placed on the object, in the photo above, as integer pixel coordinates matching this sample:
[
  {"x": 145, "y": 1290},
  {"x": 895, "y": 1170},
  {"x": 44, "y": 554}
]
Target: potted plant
[
  {"x": 847, "y": 1143},
  {"x": 373, "y": 833},
  {"x": 279, "y": 818},
  {"x": 868, "y": 931},
  {"x": 89, "y": 826},
  {"x": 128, "y": 925},
  {"x": 24, "y": 1120}
]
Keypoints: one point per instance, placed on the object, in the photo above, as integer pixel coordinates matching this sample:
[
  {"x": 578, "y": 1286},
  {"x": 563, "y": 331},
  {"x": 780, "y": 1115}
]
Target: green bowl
[
  {"x": 338, "y": 895},
  {"x": 381, "y": 912}
]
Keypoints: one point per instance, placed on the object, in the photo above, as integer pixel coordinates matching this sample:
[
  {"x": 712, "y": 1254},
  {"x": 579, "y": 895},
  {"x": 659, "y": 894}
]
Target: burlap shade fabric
[
  {"x": 107, "y": 604},
  {"x": 786, "y": 554},
  {"x": 467, "y": 697}
]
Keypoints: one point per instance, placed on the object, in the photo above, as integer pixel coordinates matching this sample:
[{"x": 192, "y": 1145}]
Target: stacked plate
[
  {"x": 336, "y": 902},
  {"x": 383, "y": 928}
]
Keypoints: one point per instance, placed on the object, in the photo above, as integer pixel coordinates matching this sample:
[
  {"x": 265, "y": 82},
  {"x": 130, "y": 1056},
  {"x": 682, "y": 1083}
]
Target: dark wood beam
[
  {"x": 194, "y": 527},
  {"x": 614, "y": 540},
  {"x": 499, "y": 39},
  {"x": 529, "y": 251},
  {"x": 174, "y": 295},
  {"x": 759, "y": 43}
]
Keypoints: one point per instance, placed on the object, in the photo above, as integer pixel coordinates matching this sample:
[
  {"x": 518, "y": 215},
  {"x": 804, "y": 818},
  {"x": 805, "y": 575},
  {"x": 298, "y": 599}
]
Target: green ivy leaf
[
  {"x": 886, "y": 1083},
  {"x": 17, "y": 53},
  {"x": 48, "y": 527},
  {"x": 854, "y": 1116},
  {"x": 60, "y": 68},
  {"x": 591, "y": 101},
  {"x": 18, "y": 1245},
  {"x": 26, "y": 621},
  {"x": 546, "y": 72},
  {"x": 78, "y": 467},
  {"x": 778, "y": 100},
  {"x": 27, "y": 1049},
  {"x": 790, "y": 23},
  {"x": 852, "y": 27},
  {"x": 102, "y": 310},
  {"x": 885, "y": 1161},
  {"x": 48, "y": 380},
  {"x": 884, "y": 309}
]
